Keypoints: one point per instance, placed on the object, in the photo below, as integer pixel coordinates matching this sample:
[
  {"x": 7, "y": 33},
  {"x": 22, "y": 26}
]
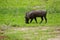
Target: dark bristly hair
[{"x": 35, "y": 13}]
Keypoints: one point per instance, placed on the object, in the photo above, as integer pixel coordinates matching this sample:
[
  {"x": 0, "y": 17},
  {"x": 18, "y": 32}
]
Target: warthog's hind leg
[
  {"x": 45, "y": 19},
  {"x": 41, "y": 20},
  {"x": 35, "y": 20}
]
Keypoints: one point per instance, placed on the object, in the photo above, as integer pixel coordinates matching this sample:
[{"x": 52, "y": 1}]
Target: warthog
[{"x": 34, "y": 14}]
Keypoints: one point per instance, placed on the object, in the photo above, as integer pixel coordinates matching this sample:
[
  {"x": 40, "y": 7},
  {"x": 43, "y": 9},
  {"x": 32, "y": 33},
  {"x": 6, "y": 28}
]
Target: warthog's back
[
  {"x": 39, "y": 13},
  {"x": 36, "y": 13}
]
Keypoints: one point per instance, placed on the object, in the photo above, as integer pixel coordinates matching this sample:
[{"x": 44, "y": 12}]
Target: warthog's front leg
[{"x": 31, "y": 20}]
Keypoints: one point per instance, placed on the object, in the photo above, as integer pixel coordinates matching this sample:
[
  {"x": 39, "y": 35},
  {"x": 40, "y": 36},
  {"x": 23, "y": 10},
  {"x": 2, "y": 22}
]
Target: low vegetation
[{"x": 12, "y": 21}]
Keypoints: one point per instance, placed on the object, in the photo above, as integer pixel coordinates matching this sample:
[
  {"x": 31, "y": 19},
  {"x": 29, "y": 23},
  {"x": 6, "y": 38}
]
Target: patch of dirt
[
  {"x": 56, "y": 30},
  {"x": 31, "y": 28},
  {"x": 3, "y": 37},
  {"x": 56, "y": 38}
]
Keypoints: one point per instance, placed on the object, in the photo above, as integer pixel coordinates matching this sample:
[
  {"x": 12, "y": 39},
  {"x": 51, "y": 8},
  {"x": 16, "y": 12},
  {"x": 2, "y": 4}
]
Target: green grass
[
  {"x": 12, "y": 13},
  {"x": 19, "y": 20}
]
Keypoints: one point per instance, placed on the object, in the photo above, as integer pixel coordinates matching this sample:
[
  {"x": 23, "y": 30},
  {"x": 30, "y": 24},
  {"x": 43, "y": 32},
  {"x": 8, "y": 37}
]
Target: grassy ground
[
  {"x": 18, "y": 20},
  {"x": 12, "y": 22},
  {"x": 13, "y": 27},
  {"x": 30, "y": 33}
]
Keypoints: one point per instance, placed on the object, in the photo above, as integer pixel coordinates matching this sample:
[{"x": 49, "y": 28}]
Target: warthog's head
[{"x": 26, "y": 20}]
